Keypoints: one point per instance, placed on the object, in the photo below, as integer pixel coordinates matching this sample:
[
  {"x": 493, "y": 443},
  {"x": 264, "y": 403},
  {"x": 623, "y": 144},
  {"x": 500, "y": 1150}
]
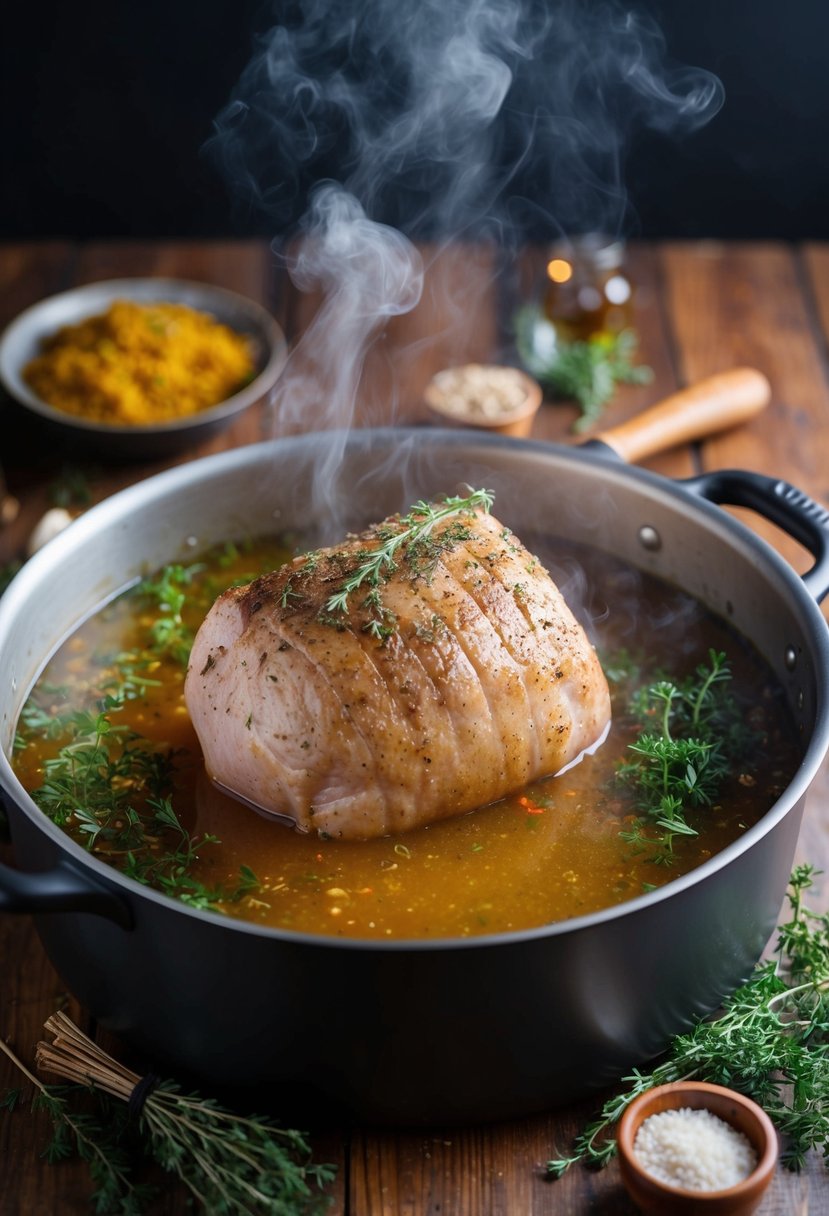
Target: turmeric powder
[{"x": 140, "y": 364}]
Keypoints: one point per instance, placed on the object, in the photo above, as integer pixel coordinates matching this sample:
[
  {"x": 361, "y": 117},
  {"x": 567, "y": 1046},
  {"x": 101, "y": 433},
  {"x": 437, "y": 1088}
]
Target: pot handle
[
  {"x": 781, "y": 503},
  {"x": 721, "y": 401},
  {"x": 64, "y": 888}
]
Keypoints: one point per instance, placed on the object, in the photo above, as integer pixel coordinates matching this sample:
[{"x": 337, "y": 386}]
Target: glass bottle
[{"x": 588, "y": 290}]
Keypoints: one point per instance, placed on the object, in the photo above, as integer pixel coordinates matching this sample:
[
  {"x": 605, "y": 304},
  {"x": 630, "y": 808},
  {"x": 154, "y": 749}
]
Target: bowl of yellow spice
[{"x": 140, "y": 368}]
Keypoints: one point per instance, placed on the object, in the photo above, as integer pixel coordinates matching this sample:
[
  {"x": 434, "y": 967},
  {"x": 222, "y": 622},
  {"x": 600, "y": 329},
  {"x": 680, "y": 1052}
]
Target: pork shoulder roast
[{"x": 424, "y": 668}]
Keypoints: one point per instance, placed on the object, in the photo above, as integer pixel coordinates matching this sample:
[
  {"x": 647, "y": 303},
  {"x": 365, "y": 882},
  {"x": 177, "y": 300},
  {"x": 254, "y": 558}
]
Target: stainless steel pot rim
[{"x": 195, "y": 471}]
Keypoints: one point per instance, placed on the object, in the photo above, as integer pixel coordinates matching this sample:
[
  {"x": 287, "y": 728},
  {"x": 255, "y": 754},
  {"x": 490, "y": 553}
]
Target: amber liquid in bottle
[{"x": 588, "y": 291}]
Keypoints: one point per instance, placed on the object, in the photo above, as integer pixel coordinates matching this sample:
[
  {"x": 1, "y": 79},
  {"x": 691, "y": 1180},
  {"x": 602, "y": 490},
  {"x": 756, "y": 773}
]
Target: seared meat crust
[{"x": 464, "y": 676}]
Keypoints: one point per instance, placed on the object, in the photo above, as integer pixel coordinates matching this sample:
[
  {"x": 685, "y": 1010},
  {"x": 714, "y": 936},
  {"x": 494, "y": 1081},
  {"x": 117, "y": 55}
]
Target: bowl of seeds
[{"x": 493, "y": 397}]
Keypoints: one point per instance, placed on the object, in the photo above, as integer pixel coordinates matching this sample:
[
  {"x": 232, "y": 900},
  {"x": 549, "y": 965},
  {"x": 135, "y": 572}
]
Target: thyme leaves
[
  {"x": 584, "y": 370},
  {"x": 694, "y": 730},
  {"x": 111, "y": 789},
  {"x": 770, "y": 1041},
  {"x": 409, "y": 538},
  {"x": 230, "y": 1162},
  {"x": 169, "y": 633},
  {"x": 98, "y": 773}
]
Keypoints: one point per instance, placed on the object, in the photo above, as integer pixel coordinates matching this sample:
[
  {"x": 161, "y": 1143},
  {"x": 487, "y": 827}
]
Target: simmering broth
[{"x": 549, "y": 852}]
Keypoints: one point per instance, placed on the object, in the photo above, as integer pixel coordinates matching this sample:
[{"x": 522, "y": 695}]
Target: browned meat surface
[{"x": 460, "y": 676}]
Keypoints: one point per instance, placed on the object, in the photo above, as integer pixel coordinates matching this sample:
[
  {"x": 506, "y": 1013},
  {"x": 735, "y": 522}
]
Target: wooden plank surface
[
  {"x": 699, "y": 308},
  {"x": 745, "y": 304}
]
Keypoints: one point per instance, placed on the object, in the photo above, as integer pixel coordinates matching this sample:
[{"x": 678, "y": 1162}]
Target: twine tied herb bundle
[{"x": 233, "y": 1165}]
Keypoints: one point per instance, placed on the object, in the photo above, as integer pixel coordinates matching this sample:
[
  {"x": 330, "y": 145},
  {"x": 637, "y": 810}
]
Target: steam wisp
[{"x": 358, "y": 127}]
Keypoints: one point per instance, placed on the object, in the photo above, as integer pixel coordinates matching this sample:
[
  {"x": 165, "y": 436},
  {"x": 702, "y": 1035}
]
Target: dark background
[{"x": 107, "y": 108}]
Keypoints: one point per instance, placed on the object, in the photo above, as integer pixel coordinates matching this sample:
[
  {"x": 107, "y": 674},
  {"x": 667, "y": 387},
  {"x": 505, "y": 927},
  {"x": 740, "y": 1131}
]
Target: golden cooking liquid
[{"x": 550, "y": 852}]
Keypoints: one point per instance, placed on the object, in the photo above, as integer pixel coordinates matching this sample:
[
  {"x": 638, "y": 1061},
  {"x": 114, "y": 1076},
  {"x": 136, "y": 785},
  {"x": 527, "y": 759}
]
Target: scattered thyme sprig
[
  {"x": 232, "y": 1164},
  {"x": 170, "y": 635},
  {"x": 694, "y": 731},
  {"x": 112, "y": 789},
  {"x": 376, "y": 566},
  {"x": 92, "y": 1139},
  {"x": 588, "y": 371},
  {"x": 585, "y": 371},
  {"x": 770, "y": 1042}
]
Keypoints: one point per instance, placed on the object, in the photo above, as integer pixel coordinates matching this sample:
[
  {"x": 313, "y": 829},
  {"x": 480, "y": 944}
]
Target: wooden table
[{"x": 700, "y": 308}]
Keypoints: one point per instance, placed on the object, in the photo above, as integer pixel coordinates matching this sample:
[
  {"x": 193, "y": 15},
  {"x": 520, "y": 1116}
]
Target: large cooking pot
[{"x": 437, "y": 1031}]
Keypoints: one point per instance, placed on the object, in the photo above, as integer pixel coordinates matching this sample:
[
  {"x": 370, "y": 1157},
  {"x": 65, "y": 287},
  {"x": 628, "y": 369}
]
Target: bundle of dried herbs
[{"x": 232, "y": 1164}]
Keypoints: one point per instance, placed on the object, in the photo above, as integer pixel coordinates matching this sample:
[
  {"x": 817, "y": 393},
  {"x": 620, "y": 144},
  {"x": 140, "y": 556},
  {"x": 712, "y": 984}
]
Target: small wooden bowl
[
  {"x": 661, "y": 1199},
  {"x": 468, "y": 379}
]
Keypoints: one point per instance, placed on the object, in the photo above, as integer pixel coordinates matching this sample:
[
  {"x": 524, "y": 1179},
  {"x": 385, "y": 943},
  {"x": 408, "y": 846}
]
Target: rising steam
[
  {"x": 365, "y": 272},
  {"x": 357, "y": 122}
]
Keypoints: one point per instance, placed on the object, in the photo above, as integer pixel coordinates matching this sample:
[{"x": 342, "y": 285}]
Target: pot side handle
[
  {"x": 64, "y": 888},
  {"x": 779, "y": 502}
]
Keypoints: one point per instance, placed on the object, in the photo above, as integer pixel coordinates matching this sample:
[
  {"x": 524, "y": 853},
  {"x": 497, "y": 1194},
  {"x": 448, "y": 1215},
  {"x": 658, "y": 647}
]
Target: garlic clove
[{"x": 48, "y": 527}]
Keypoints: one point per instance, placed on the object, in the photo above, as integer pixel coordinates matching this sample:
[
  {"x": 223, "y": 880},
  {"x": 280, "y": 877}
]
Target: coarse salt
[{"x": 694, "y": 1149}]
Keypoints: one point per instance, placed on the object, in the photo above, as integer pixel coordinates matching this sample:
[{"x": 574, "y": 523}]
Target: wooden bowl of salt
[{"x": 691, "y": 1147}]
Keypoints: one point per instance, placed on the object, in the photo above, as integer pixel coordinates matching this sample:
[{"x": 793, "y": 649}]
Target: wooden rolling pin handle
[{"x": 712, "y": 405}]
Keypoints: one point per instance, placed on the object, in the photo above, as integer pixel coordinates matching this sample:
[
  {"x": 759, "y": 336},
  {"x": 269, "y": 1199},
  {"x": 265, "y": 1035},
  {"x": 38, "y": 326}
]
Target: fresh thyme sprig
[
  {"x": 81, "y": 1134},
  {"x": 100, "y": 772},
  {"x": 112, "y": 789},
  {"x": 232, "y": 1164},
  {"x": 585, "y": 371},
  {"x": 588, "y": 371},
  {"x": 409, "y": 534},
  {"x": 771, "y": 1042},
  {"x": 170, "y": 635},
  {"x": 695, "y": 729}
]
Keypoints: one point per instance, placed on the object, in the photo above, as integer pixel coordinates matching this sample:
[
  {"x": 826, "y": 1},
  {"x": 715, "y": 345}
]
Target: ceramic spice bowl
[
  {"x": 717, "y": 1144},
  {"x": 492, "y": 397},
  {"x": 23, "y": 339}
]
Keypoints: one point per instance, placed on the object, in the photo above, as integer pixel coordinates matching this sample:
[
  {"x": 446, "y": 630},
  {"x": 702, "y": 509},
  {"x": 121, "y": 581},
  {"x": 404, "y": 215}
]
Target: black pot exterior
[
  {"x": 435, "y": 1034},
  {"x": 456, "y": 1031}
]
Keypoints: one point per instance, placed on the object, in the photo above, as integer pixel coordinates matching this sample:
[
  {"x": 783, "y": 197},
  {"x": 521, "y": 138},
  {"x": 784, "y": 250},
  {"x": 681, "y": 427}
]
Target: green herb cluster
[
  {"x": 232, "y": 1164},
  {"x": 168, "y": 592},
  {"x": 771, "y": 1041},
  {"x": 409, "y": 537},
  {"x": 585, "y": 371},
  {"x": 112, "y": 788},
  {"x": 694, "y": 731},
  {"x": 99, "y": 1138}
]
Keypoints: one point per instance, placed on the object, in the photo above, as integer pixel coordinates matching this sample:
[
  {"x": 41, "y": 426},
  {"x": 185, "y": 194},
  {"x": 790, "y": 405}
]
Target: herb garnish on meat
[{"x": 409, "y": 539}]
